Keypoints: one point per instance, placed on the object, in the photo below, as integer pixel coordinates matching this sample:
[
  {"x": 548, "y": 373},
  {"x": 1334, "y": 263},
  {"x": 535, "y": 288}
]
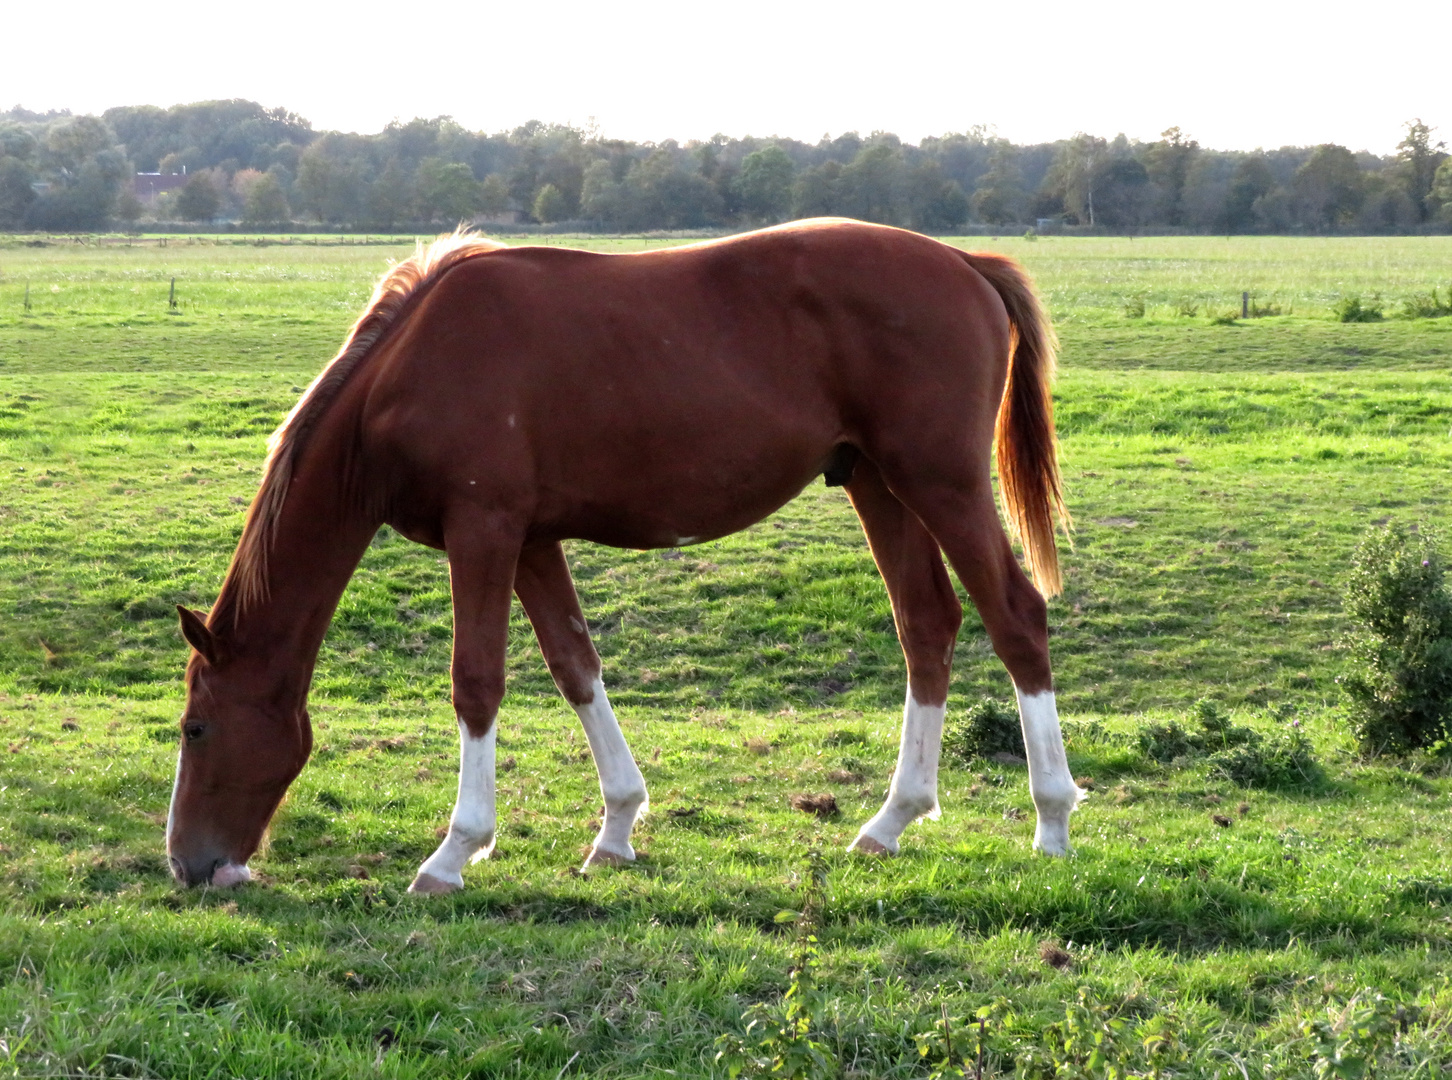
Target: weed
[
  {"x": 1133, "y": 308},
  {"x": 1227, "y": 317},
  {"x": 1352, "y": 309},
  {"x": 987, "y": 728},
  {"x": 1399, "y": 676},
  {"x": 1187, "y": 309},
  {"x": 785, "y": 1041}
]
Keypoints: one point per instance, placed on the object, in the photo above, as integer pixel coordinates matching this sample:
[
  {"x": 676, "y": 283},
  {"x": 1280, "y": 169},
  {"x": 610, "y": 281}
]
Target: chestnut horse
[{"x": 494, "y": 401}]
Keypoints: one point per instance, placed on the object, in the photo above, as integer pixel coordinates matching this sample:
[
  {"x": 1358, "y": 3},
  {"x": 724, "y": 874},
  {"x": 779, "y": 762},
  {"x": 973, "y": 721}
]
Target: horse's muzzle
[{"x": 218, "y": 873}]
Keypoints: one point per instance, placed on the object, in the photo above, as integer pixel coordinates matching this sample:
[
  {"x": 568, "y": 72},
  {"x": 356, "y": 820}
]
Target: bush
[
  {"x": 1353, "y": 309},
  {"x": 987, "y": 728},
  {"x": 1399, "y": 677},
  {"x": 1167, "y": 742},
  {"x": 1428, "y": 306},
  {"x": 1283, "y": 759}
]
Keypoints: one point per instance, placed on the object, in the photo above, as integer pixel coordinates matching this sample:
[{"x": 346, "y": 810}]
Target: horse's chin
[{"x": 230, "y": 875}]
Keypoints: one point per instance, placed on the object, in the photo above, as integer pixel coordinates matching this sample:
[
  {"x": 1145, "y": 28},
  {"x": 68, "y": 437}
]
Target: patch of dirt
[
  {"x": 1051, "y": 954},
  {"x": 823, "y": 805}
]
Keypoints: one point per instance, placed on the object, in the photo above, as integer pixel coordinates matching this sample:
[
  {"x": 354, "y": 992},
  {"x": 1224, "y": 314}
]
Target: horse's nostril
[{"x": 178, "y": 871}]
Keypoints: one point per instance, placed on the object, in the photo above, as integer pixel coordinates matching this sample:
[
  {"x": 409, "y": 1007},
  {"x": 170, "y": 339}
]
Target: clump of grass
[
  {"x": 986, "y": 729},
  {"x": 1257, "y": 310},
  {"x": 1428, "y": 305},
  {"x": 1187, "y": 309},
  {"x": 1353, "y": 309},
  {"x": 1227, "y": 317},
  {"x": 1134, "y": 307},
  {"x": 1399, "y": 678}
]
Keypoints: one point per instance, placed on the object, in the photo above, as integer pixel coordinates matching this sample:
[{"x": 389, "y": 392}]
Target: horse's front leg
[
  {"x": 482, "y": 556},
  {"x": 548, "y": 594}
]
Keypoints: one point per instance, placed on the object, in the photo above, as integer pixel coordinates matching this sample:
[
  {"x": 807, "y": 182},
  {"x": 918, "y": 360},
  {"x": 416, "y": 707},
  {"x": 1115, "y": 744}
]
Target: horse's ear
[{"x": 194, "y": 629}]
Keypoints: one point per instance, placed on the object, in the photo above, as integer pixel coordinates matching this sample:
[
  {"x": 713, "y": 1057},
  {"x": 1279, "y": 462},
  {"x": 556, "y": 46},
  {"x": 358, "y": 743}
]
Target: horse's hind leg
[
  {"x": 548, "y": 595},
  {"x": 928, "y": 615},
  {"x": 964, "y": 520}
]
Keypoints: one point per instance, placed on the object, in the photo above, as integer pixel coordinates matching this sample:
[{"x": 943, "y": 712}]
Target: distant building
[{"x": 148, "y": 185}]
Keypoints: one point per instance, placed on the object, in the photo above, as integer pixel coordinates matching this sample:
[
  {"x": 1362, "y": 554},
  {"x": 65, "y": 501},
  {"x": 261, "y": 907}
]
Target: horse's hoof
[
  {"x": 866, "y": 845},
  {"x": 428, "y": 885},
  {"x": 601, "y": 857}
]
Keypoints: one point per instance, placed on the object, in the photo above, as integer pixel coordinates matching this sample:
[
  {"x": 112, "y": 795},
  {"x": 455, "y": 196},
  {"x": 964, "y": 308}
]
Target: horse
[{"x": 493, "y": 401}]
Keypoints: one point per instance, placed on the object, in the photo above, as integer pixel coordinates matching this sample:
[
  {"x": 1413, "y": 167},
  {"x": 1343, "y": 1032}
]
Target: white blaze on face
[
  {"x": 471, "y": 828},
  {"x": 914, "y": 790},
  {"x": 1052, "y": 786},
  {"x": 171, "y": 809},
  {"x": 621, "y": 785}
]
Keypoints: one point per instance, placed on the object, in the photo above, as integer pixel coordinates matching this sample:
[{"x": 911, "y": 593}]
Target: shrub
[
  {"x": 1399, "y": 677},
  {"x": 1428, "y": 305},
  {"x": 1353, "y": 309},
  {"x": 1166, "y": 742},
  {"x": 987, "y": 728},
  {"x": 1281, "y": 760}
]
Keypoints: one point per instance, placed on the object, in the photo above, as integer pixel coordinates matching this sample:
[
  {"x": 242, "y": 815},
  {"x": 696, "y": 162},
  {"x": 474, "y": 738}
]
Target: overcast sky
[{"x": 1232, "y": 75}]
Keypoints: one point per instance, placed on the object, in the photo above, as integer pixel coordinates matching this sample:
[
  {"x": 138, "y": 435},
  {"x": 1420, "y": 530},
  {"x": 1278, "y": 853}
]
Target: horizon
[{"x": 1138, "y": 70}]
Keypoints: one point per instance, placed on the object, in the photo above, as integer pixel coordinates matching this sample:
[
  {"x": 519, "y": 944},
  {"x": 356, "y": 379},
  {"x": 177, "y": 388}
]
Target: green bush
[
  {"x": 1281, "y": 760},
  {"x": 1399, "y": 677},
  {"x": 1354, "y": 309},
  {"x": 1166, "y": 742},
  {"x": 987, "y": 728},
  {"x": 1428, "y": 306}
]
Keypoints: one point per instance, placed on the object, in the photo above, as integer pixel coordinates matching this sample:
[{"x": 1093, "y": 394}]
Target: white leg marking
[
  {"x": 621, "y": 785},
  {"x": 914, "y": 790},
  {"x": 1051, "y": 784},
  {"x": 471, "y": 828}
]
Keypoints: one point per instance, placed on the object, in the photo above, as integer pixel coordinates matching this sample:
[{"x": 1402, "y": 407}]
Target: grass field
[{"x": 1219, "y": 475}]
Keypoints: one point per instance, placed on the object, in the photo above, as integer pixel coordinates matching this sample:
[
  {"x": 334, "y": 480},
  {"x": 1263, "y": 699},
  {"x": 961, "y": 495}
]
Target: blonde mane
[{"x": 246, "y": 581}]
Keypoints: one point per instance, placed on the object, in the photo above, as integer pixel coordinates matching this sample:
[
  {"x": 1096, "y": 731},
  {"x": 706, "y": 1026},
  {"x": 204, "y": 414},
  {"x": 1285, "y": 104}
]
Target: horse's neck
[{"x": 317, "y": 546}]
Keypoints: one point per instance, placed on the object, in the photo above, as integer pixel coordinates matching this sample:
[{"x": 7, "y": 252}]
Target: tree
[
  {"x": 1441, "y": 195},
  {"x": 999, "y": 196},
  {"x": 494, "y": 195},
  {"x": 1122, "y": 184},
  {"x": 16, "y": 192},
  {"x": 447, "y": 191},
  {"x": 874, "y": 186},
  {"x": 1329, "y": 186},
  {"x": 390, "y": 195},
  {"x": 1167, "y": 165},
  {"x": 1071, "y": 177},
  {"x": 549, "y": 205},
  {"x": 934, "y": 203},
  {"x": 764, "y": 184},
  {"x": 1419, "y": 158},
  {"x": 198, "y": 200},
  {"x": 1252, "y": 181},
  {"x": 128, "y": 208},
  {"x": 265, "y": 204}
]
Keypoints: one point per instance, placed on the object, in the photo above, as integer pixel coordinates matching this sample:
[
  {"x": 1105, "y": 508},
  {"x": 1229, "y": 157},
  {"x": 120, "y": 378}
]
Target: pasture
[{"x": 1220, "y": 472}]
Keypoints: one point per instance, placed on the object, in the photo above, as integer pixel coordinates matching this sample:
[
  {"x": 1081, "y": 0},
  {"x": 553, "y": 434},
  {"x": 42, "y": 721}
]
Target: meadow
[{"x": 1220, "y": 472}]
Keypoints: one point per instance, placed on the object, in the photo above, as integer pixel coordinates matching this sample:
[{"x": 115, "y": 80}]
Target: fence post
[
  {"x": 27, "y": 296},
  {"x": 1245, "y": 305},
  {"x": 171, "y": 300}
]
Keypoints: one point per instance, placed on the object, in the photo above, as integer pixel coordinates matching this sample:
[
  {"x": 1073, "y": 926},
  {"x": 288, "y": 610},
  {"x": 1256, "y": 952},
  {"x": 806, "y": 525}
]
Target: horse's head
[{"x": 242, "y": 744}]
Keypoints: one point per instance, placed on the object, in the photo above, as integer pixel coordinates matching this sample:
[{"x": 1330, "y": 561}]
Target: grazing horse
[{"x": 492, "y": 402}]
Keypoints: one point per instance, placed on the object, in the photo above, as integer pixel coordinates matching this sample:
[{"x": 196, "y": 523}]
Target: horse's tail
[{"x": 1028, "y": 461}]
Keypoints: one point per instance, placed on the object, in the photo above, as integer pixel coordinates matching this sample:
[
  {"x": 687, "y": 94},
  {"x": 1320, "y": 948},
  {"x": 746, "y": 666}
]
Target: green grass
[{"x": 1219, "y": 475}]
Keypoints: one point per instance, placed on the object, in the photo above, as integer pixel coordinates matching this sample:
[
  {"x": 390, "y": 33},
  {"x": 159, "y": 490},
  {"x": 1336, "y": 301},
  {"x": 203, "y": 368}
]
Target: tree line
[{"x": 268, "y": 167}]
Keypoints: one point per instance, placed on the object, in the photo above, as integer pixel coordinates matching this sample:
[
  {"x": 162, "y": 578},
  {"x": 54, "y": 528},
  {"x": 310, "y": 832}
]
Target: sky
[{"x": 1233, "y": 76}]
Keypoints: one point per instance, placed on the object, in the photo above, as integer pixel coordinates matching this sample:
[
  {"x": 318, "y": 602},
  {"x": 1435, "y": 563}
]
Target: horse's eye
[{"x": 193, "y": 732}]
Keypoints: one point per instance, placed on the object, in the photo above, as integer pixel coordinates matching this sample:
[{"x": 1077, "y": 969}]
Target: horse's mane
[{"x": 246, "y": 581}]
